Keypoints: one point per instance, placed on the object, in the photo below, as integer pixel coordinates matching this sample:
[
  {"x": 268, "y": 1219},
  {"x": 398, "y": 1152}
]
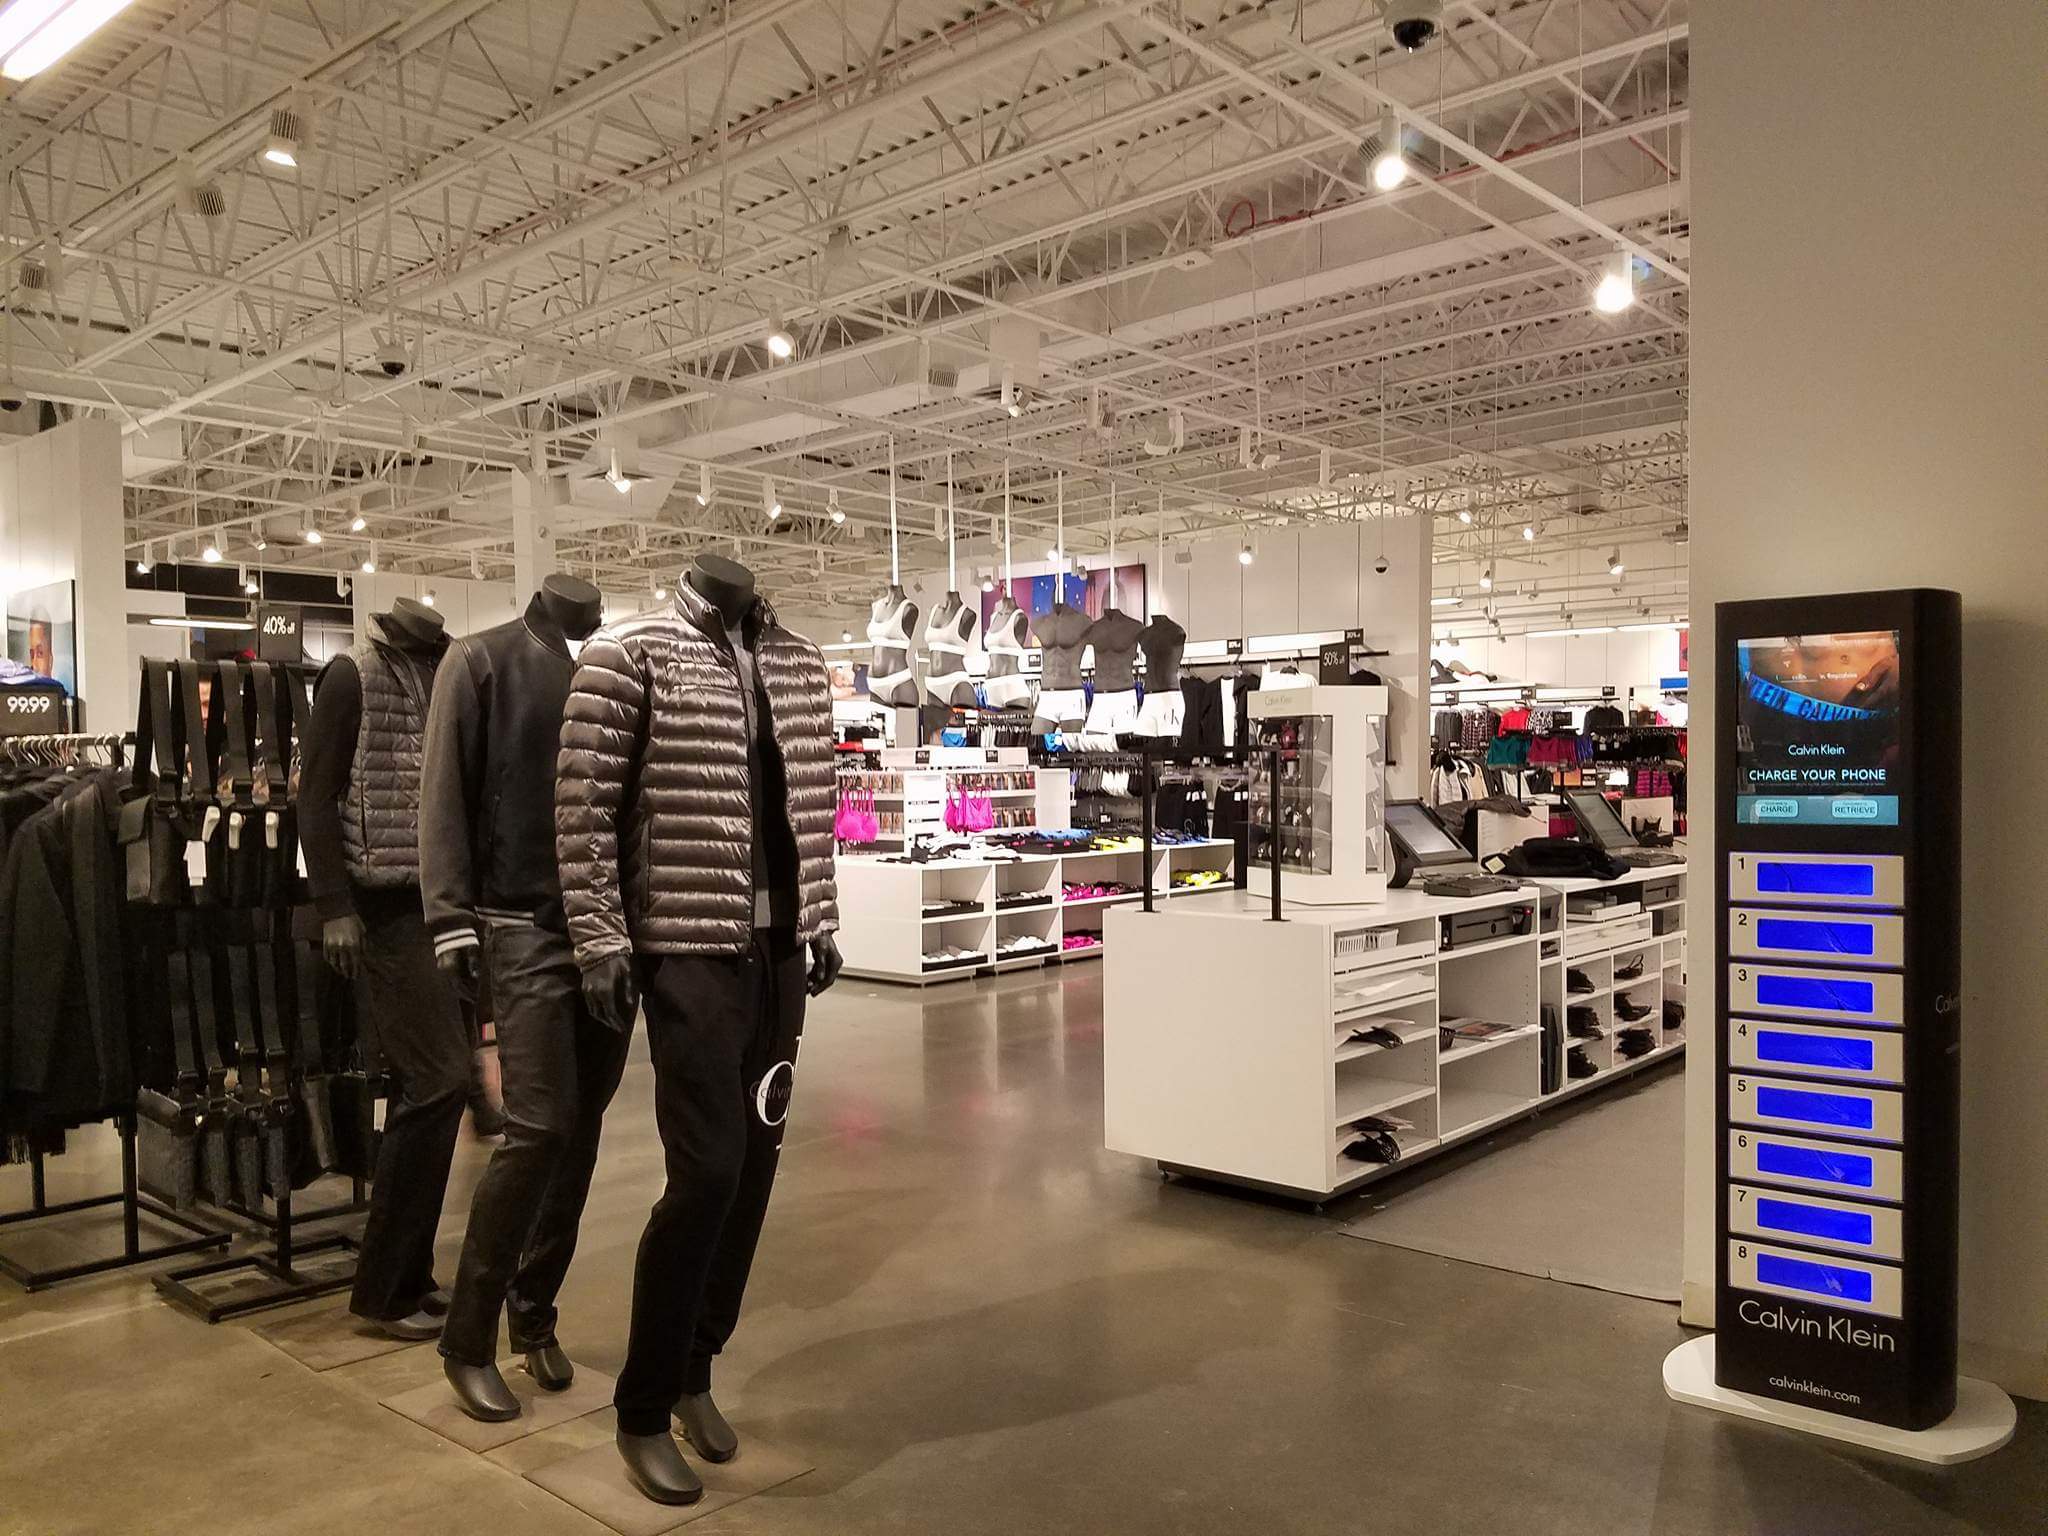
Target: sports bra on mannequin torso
[
  {"x": 891, "y": 622},
  {"x": 948, "y": 638}
]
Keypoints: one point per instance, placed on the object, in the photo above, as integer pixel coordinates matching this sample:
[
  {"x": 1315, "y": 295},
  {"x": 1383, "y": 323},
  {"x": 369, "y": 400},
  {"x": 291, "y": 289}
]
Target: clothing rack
[{"x": 134, "y": 1206}]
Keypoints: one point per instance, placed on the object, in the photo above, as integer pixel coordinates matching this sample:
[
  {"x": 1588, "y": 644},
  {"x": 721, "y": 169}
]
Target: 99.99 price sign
[{"x": 31, "y": 712}]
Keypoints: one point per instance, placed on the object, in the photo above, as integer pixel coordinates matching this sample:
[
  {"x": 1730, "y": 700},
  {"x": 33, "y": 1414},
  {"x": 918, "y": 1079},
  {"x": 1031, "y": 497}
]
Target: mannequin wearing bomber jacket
[
  {"x": 694, "y": 831},
  {"x": 487, "y": 871}
]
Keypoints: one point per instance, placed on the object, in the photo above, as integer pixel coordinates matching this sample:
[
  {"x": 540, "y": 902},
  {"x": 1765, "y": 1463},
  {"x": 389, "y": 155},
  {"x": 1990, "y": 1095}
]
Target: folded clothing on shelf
[
  {"x": 1081, "y": 938},
  {"x": 1018, "y": 944},
  {"x": 1095, "y": 890},
  {"x": 1195, "y": 879}
]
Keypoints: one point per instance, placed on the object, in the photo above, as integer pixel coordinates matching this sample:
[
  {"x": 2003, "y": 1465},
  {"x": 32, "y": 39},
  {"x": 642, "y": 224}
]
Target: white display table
[
  {"x": 894, "y": 915},
  {"x": 1227, "y": 1048}
]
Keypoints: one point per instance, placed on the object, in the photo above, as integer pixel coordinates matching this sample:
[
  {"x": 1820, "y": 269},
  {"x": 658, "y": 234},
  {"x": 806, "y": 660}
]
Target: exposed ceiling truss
[{"x": 528, "y": 239}]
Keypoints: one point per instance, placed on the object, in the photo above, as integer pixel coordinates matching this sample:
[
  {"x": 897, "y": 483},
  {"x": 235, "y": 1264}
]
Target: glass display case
[{"x": 1330, "y": 840}]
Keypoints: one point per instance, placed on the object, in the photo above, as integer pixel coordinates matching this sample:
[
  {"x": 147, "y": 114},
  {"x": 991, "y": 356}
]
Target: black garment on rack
[{"x": 1201, "y": 728}]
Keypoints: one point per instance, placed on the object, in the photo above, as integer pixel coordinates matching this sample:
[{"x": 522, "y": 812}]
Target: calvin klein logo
[
  {"x": 1835, "y": 1329},
  {"x": 771, "y": 1094}
]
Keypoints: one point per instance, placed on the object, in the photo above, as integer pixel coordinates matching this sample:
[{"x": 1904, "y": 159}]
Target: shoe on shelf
[
  {"x": 1578, "y": 1064},
  {"x": 1632, "y": 971},
  {"x": 1583, "y": 1023},
  {"x": 1674, "y": 1014},
  {"x": 1376, "y": 1147},
  {"x": 1629, "y": 1009},
  {"x": 1578, "y": 983}
]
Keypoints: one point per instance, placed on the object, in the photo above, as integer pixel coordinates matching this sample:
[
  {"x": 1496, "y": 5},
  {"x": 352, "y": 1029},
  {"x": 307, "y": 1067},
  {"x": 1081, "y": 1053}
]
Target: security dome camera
[
  {"x": 1381, "y": 566},
  {"x": 1414, "y": 22},
  {"x": 11, "y": 399},
  {"x": 393, "y": 361}
]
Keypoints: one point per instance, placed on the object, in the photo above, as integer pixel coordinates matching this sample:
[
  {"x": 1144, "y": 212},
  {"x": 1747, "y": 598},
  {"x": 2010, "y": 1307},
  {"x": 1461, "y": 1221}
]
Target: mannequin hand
[
  {"x": 341, "y": 940},
  {"x": 611, "y": 993},
  {"x": 460, "y": 967},
  {"x": 825, "y": 964}
]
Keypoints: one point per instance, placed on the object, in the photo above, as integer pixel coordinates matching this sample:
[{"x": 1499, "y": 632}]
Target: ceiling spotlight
[
  {"x": 1465, "y": 514},
  {"x": 1055, "y": 554},
  {"x": 312, "y": 534},
  {"x": 781, "y": 343},
  {"x": 370, "y": 562},
  {"x": 660, "y": 593},
  {"x": 358, "y": 523},
  {"x": 846, "y": 637},
  {"x": 616, "y": 475},
  {"x": 1244, "y": 554},
  {"x": 1617, "y": 286},
  {"x": 703, "y": 485},
  {"x": 210, "y": 554},
  {"x": 261, "y": 542},
  {"x": 34, "y": 34},
  {"x": 1614, "y": 565},
  {"x": 242, "y": 575},
  {"x": 1389, "y": 165},
  {"x": 832, "y": 503},
  {"x": 281, "y": 146},
  {"x": 770, "y": 502},
  {"x": 1486, "y": 579},
  {"x": 427, "y": 597},
  {"x": 143, "y": 561},
  {"x": 988, "y": 582},
  {"x": 1528, "y": 533}
]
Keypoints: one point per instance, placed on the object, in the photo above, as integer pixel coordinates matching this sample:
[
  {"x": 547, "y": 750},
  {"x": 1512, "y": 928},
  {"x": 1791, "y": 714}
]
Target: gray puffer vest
[{"x": 380, "y": 814}]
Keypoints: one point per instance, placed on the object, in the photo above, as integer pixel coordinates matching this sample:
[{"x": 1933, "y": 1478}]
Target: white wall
[
  {"x": 1622, "y": 661},
  {"x": 468, "y": 606},
  {"x": 1870, "y": 406},
  {"x": 60, "y": 518}
]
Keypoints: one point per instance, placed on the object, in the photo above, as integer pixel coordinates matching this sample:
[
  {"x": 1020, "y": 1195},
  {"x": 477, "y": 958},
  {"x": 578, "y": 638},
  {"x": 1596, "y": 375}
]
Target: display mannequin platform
[{"x": 1983, "y": 1421}]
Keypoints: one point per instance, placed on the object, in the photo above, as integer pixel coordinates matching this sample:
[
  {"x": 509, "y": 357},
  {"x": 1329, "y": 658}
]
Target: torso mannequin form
[
  {"x": 1062, "y": 635},
  {"x": 948, "y": 638},
  {"x": 1006, "y": 685},
  {"x": 1164, "y": 711},
  {"x": 892, "y": 681},
  {"x": 1114, "y": 638}
]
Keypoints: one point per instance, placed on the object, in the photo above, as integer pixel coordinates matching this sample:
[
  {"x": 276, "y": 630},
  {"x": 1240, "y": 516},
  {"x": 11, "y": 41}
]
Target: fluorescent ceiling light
[
  {"x": 1644, "y": 629},
  {"x": 1445, "y": 602},
  {"x": 1570, "y": 634},
  {"x": 166, "y": 623},
  {"x": 1302, "y": 642},
  {"x": 34, "y": 34}
]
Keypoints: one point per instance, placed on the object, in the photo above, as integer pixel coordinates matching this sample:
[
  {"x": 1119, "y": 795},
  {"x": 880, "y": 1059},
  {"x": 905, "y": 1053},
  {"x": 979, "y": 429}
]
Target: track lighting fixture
[
  {"x": 1244, "y": 554},
  {"x": 1528, "y": 533},
  {"x": 312, "y": 534},
  {"x": 34, "y": 34},
  {"x": 242, "y": 575},
  {"x": 358, "y": 523},
  {"x": 1614, "y": 565},
  {"x": 832, "y": 504},
  {"x": 781, "y": 341},
  {"x": 211, "y": 553},
  {"x": 1486, "y": 579},
  {"x": 1617, "y": 286},
  {"x": 1465, "y": 515},
  {"x": 770, "y": 502},
  {"x": 1056, "y": 555},
  {"x": 703, "y": 485},
  {"x": 370, "y": 561},
  {"x": 1389, "y": 165},
  {"x": 427, "y": 597},
  {"x": 144, "y": 561},
  {"x": 988, "y": 582},
  {"x": 617, "y": 477},
  {"x": 281, "y": 146},
  {"x": 660, "y": 593},
  {"x": 846, "y": 637}
]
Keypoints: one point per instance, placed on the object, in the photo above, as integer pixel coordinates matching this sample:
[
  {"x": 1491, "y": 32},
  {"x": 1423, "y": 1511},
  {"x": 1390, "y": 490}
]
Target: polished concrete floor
[{"x": 967, "y": 1317}]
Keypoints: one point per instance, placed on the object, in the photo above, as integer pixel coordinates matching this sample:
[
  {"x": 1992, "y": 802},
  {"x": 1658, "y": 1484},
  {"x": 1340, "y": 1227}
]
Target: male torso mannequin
[
  {"x": 1165, "y": 709},
  {"x": 1062, "y": 635},
  {"x": 892, "y": 680},
  {"x": 1114, "y": 638},
  {"x": 948, "y": 640},
  {"x": 700, "y": 893},
  {"x": 359, "y": 826},
  {"x": 487, "y": 872},
  {"x": 1006, "y": 685}
]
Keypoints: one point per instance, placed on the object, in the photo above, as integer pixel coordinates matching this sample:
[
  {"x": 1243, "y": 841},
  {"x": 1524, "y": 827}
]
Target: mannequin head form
[
  {"x": 725, "y": 584},
  {"x": 415, "y": 621},
  {"x": 573, "y": 603}
]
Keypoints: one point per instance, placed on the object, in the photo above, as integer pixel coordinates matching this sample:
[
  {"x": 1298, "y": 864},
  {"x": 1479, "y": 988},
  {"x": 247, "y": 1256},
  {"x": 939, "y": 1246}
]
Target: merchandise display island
[{"x": 1278, "y": 1054}]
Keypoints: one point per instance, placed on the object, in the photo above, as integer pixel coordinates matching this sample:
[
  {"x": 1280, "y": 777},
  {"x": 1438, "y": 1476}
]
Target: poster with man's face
[{"x": 42, "y": 633}]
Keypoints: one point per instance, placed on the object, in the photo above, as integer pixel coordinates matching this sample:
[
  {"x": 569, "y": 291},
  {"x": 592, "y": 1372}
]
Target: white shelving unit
[
  {"x": 920, "y": 778},
  {"x": 1231, "y": 1043},
  {"x": 886, "y": 930}
]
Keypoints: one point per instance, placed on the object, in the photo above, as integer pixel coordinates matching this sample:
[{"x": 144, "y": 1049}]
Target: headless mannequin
[
  {"x": 948, "y": 638},
  {"x": 891, "y": 657},
  {"x": 1061, "y": 635},
  {"x": 1163, "y": 642},
  {"x": 1115, "y": 639},
  {"x": 578, "y": 608},
  {"x": 416, "y": 627},
  {"x": 610, "y": 988}
]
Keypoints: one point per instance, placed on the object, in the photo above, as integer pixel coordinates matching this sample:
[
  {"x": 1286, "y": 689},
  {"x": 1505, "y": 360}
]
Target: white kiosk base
[{"x": 1983, "y": 1421}]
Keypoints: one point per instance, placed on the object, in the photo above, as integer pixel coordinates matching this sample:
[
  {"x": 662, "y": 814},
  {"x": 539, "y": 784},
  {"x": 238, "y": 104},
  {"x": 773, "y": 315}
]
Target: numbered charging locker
[{"x": 1838, "y": 1000}]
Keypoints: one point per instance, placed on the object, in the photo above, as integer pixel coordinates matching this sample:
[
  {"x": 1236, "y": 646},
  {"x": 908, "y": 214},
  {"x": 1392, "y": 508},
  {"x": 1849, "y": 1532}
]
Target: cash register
[{"x": 1421, "y": 841}]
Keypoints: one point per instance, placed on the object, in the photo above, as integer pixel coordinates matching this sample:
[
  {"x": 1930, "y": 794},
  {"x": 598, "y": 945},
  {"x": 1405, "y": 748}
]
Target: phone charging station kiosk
[{"x": 1838, "y": 1013}]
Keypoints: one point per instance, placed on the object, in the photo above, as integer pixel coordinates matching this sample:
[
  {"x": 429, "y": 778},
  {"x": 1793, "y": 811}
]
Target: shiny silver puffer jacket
[{"x": 653, "y": 825}]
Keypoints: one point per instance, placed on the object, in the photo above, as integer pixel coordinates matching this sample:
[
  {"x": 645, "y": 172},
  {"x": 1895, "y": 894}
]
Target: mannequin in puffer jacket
[{"x": 693, "y": 829}]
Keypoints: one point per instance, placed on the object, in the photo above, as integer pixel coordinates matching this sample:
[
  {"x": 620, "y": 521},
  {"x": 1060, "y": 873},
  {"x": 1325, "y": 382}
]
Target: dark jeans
[
  {"x": 413, "y": 1029},
  {"x": 723, "y": 1033},
  {"x": 559, "y": 1068}
]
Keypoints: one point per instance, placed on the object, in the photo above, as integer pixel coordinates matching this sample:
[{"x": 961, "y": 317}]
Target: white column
[{"x": 533, "y": 533}]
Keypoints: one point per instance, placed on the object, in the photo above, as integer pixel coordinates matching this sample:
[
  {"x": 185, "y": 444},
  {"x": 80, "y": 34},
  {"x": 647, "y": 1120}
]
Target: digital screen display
[
  {"x": 1817, "y": 730},
  {"x": 1844, "y": 1168},
  {"x": 1423, "y": 834},
  {"x": 1820, "y": 1279},
  {"x": 1778, "y": 877},
  {"x": 1851, "y": 1113},
  {"x": 1816, "y": 937},
  {"x": 1832, "y": 1052},
  {"x": 1815, "y": 1221},
  {"x": 1773, "y": 991}
]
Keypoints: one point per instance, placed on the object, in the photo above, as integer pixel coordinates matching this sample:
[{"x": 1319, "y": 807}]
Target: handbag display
[
  {"x": 156, "y": 825},
  {"x": 1556, "y": 858}
]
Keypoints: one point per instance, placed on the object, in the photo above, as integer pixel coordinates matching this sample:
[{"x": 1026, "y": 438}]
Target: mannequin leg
[
  {"x": 600, "y": 1061},
  {"x": 413, "y": 1019},
  {"x": 702, "y": 1018},
  {"x": 770, "y": 1076}
]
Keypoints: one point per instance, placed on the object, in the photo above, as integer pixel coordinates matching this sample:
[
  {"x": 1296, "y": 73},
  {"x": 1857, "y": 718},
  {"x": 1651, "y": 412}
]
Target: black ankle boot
[
  {"x": 481, "y": 1392},
  {"x": 655, "y": 1466},
  {"x": 550, "y": 1368},
  {"x": 705, "y": 1427}
]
